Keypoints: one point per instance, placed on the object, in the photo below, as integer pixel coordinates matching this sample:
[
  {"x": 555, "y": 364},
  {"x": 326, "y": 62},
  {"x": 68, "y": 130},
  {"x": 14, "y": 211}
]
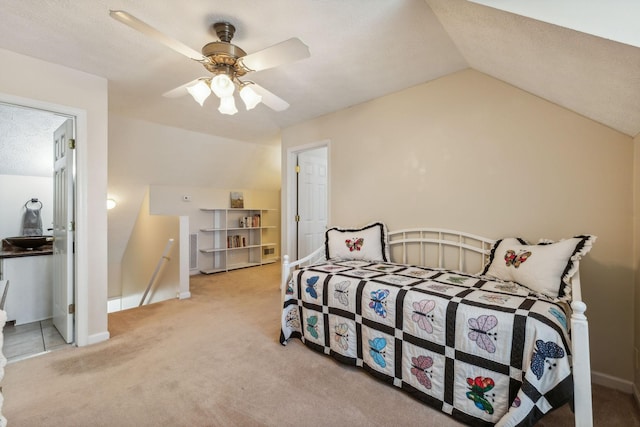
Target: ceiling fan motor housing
[
  {"x": 222, "y": 54},
  {"x": 224, "y": 31}
]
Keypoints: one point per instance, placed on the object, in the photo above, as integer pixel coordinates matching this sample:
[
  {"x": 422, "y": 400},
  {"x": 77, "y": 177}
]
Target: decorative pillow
[
  {"x": 368, "y": 243},
  {"x": 546, "y": 268}
]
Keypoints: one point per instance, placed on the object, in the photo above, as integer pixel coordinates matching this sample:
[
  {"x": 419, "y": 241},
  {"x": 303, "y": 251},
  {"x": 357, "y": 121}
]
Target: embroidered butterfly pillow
[
  {"x": 545, "y": 268},
  {"x": 369, "y": 243}
]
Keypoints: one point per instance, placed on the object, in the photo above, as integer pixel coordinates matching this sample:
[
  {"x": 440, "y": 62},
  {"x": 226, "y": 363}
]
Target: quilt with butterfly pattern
[{"x": 486, "y": 352}]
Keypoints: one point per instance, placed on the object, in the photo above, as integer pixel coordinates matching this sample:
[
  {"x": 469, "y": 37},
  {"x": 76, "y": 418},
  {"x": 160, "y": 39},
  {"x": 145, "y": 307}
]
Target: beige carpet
[{"x": 215, "y": 360}]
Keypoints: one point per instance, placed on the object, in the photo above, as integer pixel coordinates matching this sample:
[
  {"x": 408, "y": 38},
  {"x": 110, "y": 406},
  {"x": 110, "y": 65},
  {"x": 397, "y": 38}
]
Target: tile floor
[{"x": 30, "y": 339}]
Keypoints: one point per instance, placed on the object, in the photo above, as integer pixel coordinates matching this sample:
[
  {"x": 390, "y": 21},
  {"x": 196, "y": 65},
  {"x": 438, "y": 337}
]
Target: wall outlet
[{"x": 186, "y": 198}]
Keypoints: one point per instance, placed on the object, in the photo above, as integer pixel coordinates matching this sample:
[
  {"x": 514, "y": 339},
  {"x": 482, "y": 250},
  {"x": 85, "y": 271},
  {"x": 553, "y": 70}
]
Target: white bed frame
[{"x": 434, "y": 247}]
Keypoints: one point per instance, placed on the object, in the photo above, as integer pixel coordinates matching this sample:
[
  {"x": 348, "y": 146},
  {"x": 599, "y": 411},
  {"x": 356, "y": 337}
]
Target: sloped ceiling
[
  {"x": 360, "y": 50},
  {"x": 611, "y": 19},
  {"x": 593, "y": 76}
]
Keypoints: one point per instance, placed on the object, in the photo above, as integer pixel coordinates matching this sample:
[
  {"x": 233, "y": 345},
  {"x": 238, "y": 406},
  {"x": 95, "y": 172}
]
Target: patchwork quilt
[{"x": 486, "y": 352}]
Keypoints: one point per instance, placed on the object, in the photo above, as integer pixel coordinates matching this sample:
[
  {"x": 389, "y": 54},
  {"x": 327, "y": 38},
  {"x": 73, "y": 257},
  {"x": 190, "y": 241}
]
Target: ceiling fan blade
[
  {"x": 278, "y": 54},
  {"x": 181, "y": 90},
  {"x": 133, "y": 22},
  {"x": 269, "y": 99}
]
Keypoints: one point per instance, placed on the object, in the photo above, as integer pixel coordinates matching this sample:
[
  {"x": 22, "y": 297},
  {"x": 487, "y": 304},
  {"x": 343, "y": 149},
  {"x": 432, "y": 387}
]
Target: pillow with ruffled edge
[
  {"x": 369, "y": 243},
  {"x": 546, "y": 268}
]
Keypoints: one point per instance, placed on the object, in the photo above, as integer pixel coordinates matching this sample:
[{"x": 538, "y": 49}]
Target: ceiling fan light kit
[
  {"x": 227, "y": 105},
  {"x": 222, "y": 85},
  {"x": 227, "y": 62},
  {"x": 249, "y": 97},
  {"x": 199, "y": 91}
]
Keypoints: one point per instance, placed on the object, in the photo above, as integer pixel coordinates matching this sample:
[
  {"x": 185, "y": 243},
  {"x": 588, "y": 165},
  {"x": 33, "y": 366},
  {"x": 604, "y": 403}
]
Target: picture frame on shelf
[{"x": 237, "y": 200}]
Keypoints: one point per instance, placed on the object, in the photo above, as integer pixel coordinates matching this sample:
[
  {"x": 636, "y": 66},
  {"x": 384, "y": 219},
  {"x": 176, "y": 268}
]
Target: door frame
[
  {"x": 80, "y": 262},
  {"x": 289, "y": 237}
]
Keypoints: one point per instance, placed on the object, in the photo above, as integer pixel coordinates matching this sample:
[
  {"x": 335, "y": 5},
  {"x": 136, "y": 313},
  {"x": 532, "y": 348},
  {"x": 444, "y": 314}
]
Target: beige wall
[
  {"x": 167, "y": 200},
  {"x": 472, "y": 153},
  {"x": 143, "y": 154},
  {"x": 35, "y": 83},
  {"x": 145, "y": 248}
]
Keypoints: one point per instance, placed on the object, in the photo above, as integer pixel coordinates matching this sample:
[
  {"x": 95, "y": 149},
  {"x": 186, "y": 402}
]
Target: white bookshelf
[{"x": 237, "y": 238}]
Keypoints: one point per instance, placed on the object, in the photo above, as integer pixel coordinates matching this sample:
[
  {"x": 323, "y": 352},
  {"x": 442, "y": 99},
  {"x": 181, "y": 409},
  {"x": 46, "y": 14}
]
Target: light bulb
[
  {"x": 111, "y": 204},
  {"x": 222, "y": 86},
  {"x": 200, "y": 91},
  {"x": 250, "y": 97},
  {"x": 228, "y": 105}
]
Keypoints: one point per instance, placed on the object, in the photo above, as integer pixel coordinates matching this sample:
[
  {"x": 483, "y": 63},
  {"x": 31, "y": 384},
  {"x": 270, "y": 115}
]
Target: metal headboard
[{"x": 438, "y": 247}]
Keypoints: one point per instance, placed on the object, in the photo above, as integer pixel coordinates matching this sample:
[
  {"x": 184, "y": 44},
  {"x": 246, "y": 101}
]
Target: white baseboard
[
  {"x": 184, "y": 295},
  {"x": 96, "y": 338},
  {"x": 613, "y": 382},
  {"x": 114, "y": 304}
]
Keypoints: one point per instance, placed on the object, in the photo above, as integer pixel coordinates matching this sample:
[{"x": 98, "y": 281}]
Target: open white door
[
  {"x": 63, "y": 229},
  {"x": 312, "y": 200}
]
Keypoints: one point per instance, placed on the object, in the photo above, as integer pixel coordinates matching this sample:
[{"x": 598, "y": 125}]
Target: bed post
[
  {"x": 285, "y": 272},
  {"x": 581, "y": 362}
]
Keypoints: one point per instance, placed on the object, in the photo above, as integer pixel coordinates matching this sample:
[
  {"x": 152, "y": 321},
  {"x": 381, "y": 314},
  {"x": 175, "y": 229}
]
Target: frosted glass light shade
[
  {"x": 222, "y": 86},
  {"x": 250, "y": 97},
  {"x": 111, "y": 204},
  {"x": 228, "y": 105},
  {"x": 200, "y": 91}
]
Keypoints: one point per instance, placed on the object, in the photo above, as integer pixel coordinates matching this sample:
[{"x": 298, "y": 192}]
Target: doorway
[
  {"x": 308, "y": 197},
  {"x": 29, "y": 148}
]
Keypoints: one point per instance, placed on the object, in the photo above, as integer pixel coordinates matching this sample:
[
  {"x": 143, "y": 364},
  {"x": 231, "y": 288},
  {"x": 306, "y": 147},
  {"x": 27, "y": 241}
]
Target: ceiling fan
[{"x": 227, "y": 63}]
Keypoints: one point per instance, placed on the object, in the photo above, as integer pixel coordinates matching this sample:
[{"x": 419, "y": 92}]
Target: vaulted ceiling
[
  {"x": 360, "y": 50},
  {"x": 593, "y": 76}
]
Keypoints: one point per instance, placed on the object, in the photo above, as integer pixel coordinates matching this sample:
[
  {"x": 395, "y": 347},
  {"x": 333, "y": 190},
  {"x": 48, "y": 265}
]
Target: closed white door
[
  {"x": 312, "y": 200},
  {"x": 63, "y": 229}
]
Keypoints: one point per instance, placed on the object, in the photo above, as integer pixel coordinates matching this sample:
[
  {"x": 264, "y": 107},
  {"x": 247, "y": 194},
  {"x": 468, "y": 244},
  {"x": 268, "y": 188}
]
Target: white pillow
[
  {"x": 369, "y": 243},
  {"x": 546, "y": 268}
]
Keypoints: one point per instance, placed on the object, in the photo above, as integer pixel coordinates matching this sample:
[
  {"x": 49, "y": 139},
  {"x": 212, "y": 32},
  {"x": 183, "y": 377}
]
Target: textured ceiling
[
  {"x": 593, "y": 76},
  {"x": 26, "y": 140},
  {"x": 360, "y": 50},
  {"x": 611, "y": 19}
]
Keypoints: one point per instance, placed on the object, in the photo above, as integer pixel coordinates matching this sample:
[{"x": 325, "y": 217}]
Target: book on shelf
[
  {"x": 236, "y": 241},
  {"x": 250, "y": 221}
]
